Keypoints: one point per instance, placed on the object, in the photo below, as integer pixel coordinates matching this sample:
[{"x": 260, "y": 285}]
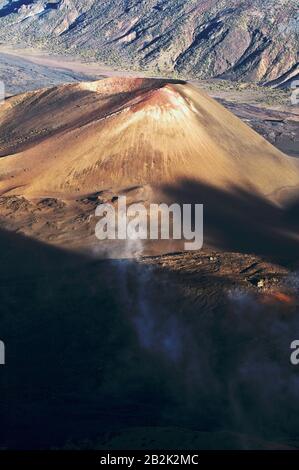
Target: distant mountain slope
[{"x": 252, "y": 40}]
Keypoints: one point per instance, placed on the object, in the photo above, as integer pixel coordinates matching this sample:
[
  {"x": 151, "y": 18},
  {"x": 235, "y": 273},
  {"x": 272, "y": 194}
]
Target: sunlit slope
[{"x": 116, "y": 133}]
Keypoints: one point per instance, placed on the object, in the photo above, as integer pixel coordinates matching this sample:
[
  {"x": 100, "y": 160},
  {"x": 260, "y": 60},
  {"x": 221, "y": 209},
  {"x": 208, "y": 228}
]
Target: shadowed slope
[
  {"x": 98, "y": 349},
  {"x": 116, "y": 133}
]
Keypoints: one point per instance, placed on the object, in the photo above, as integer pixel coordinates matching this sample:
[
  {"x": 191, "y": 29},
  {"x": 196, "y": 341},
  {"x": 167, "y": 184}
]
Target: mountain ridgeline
[{"x": 248, "y": 40}]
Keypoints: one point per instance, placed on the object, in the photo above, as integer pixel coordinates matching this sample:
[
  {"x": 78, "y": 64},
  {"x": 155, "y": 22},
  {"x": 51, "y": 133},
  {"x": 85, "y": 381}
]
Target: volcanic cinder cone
[{"x": 78, "y": 139}]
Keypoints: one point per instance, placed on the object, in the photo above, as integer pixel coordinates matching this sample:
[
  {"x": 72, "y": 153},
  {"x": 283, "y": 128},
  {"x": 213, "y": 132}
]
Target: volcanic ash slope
[{"x": 79, "y": 139}]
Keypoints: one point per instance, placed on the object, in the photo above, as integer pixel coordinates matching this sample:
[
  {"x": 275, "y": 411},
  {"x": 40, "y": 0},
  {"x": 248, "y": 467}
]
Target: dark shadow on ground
[
  {"x": 242, "y": 221},
  {"x": 112, "y": 354}
]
